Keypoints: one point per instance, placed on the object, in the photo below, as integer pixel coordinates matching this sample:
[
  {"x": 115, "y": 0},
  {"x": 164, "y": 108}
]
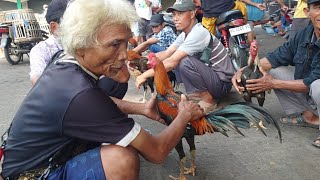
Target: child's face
[{"x": 157, "y": 29}]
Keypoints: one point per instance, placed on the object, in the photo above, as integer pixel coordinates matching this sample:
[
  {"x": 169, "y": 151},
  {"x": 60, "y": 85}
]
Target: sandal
[
  {"x": 300, "y": 121},
  {"x": 316, "y": 144}
]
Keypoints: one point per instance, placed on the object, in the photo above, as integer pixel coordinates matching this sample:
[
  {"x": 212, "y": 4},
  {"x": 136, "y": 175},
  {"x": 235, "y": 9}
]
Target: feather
[{"x": 229, "y": 118}]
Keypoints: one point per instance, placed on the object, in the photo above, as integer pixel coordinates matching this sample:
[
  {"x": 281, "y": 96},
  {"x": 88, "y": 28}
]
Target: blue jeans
[
  {"x": 87, "y": 165},
  {"x": 156, "y": 48}
]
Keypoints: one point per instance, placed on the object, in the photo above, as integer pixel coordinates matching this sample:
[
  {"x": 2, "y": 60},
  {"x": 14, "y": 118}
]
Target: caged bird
[
  {"x": 252, "y": 72},
  {"x": 228, "y": 118}
]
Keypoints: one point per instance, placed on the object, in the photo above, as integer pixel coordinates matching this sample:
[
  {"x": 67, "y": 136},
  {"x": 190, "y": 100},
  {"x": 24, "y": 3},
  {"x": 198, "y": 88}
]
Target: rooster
[
  {"x": 252, "y": 72},
  {"x": 229, "y": 118},
  {"x": 138, "y": 65}
]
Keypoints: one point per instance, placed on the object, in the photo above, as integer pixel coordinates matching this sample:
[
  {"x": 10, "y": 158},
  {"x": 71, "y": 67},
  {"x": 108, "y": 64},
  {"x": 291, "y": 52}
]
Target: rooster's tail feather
[
  {"x": 270, "y": 119},
  {"x": 240, "y": 115}
]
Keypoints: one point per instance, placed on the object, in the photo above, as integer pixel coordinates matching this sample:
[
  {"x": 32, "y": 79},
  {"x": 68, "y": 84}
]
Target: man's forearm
[
  {"x": 130, "y": 107},
  {"x": 141, "y": 47},
  {"x": 293, "y": 85}
]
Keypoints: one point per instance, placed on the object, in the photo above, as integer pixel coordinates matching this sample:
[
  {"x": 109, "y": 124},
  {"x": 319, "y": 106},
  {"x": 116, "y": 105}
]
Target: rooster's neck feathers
[{"x": 161, "y": 79}]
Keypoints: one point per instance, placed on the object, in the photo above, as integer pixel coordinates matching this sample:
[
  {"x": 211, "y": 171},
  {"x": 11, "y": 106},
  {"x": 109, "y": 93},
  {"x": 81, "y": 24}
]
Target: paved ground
[{"x": 252, "y": 157}]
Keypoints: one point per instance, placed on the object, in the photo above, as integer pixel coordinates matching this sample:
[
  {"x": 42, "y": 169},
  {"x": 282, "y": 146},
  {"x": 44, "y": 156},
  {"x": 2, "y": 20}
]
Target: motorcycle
[
  {"x": 14, "y": 51},
  {"x": 233, "y": 30}
]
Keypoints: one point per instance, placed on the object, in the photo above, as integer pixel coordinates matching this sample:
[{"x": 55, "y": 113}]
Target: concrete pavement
[{"x": 252, "y": 157}]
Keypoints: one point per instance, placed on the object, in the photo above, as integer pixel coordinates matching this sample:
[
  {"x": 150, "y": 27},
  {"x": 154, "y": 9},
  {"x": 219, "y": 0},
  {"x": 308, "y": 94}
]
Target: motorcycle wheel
[
  {"x": 239, "y": 56},
  {"x": 11, "y": 57}
]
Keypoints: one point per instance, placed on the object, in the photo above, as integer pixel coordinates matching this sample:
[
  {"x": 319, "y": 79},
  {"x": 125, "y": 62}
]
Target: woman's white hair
[{"x": 83, "y": 19}]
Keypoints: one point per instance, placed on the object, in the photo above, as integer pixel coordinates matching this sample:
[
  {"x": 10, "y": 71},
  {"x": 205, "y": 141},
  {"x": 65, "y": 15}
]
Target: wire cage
[
  {"x": 44, "y": 26},
  {"x": 24, "y": 26}
]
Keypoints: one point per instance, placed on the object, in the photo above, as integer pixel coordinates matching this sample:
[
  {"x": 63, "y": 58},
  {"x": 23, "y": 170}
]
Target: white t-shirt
[
  {"x": 142, "y": 9},
  {"x": 197, "y": 40}
]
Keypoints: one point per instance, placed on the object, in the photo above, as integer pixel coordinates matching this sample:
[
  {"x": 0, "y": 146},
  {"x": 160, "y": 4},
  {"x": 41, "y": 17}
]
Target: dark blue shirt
[
  {"x": 213, "y": 8},
  {"x": 301, "y": 52}
]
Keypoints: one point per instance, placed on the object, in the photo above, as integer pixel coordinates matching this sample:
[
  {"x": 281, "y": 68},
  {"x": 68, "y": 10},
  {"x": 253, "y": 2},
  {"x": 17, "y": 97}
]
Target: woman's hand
[
  {"x": 151, "y": 110},
  {"x": 236, "y": 79},
  {"x": 140, "y": 79},
  {"x": 190, "y": 109}
]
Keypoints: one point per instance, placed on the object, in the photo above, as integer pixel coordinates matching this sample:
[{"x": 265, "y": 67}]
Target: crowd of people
[{"x": 78, "y": 66}]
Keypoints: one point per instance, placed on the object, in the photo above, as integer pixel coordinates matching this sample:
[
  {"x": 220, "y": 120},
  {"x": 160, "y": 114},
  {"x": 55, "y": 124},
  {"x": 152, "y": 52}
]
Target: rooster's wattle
[
  {"x": 228, "y": 118},
  {"x": 252, "y": 72}
]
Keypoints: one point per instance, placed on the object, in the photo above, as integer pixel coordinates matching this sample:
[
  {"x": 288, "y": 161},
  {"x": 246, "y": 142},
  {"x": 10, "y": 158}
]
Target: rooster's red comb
[{"x": 151, "y": 55}]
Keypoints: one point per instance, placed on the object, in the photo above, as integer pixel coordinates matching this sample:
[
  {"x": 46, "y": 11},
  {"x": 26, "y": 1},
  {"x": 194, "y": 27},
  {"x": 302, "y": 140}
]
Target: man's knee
[
  {"x": 315, "y": 92},
  {"x": 185, "y": 63},
  {"x": 116, "y": 158},
  {"x": 282, "y": 72}
]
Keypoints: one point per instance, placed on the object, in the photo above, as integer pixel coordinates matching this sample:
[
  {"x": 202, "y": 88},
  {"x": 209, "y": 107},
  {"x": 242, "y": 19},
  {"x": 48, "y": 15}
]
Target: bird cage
[
  {"x": 44, "y": 26},
  {"x": 24, "y": 25}
]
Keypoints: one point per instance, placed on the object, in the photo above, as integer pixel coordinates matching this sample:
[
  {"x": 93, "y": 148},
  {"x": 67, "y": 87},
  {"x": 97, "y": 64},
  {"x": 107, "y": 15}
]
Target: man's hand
[
  {"x": 264, "y": 83},
  {"x": 140, "y": 79},
  {"x": 190, "y": 109},
  {"x": 151, "y": 110},
  {"x": 236, "y": 79}
]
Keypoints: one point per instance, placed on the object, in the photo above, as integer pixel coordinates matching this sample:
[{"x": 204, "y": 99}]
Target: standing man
[
  {"x": 144, "y": 11},
  {"x": 297, "y": 89}
]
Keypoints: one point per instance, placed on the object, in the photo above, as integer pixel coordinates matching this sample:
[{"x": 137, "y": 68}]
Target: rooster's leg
[
  {"x": 190, "y": 140},
  {"x": 182, "y": 156},
  {"x": 247, "y": 97},
  {"x": 145, "y": 89},
  {"x": 144, "y": 99},
  {"x": 261, "y": 98}
]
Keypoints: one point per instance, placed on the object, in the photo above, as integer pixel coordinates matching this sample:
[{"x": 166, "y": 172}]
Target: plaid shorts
[{"x": 87, "y": 165}]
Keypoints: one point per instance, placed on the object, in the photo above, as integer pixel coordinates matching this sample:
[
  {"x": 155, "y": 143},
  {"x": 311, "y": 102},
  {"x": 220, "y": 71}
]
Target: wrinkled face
[
  {"x": 157, "y": 29},
  {"x": 108, "y": 57},
  {"x": 314, "y": 14},
  {"x": 182, "y": 20}
]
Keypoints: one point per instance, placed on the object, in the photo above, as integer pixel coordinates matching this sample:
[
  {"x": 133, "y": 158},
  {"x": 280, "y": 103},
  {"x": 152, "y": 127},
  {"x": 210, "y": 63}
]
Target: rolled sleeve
[{"x": 314, "y": 75}]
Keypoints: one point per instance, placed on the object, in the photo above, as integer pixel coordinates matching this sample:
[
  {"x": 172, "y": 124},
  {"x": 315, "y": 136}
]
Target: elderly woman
[{"x": 67, "y": 128}]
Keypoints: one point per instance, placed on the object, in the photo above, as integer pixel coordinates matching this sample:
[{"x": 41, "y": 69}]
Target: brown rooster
[
  {"x": 229, "y": 118},
  {"x": 252, "y": 72}
]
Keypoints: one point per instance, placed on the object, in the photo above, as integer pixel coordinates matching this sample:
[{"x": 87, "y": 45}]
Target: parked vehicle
[
  {"x": 20, "y": 31},
  {"x": 233, "y": 30}
]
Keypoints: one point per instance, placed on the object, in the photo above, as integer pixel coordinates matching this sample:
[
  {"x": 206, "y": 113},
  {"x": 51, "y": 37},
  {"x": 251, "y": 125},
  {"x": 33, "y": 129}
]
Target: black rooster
[{"x": 252, "y": 72}]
